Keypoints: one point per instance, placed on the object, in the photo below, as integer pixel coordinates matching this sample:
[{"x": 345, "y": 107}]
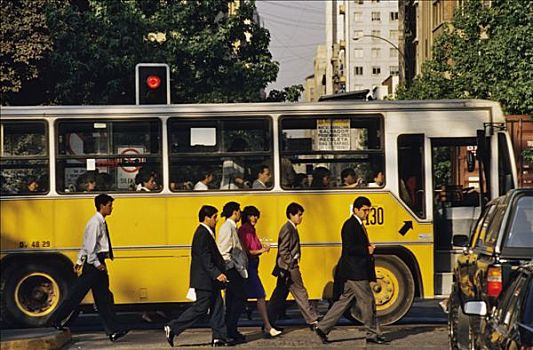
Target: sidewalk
[{"x": 33, "y": 338}]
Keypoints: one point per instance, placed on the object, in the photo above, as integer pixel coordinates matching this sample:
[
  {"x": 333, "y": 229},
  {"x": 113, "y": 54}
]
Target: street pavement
[
  {"x": 424, "y": 327},
  {"x": 343, "y": 337}
]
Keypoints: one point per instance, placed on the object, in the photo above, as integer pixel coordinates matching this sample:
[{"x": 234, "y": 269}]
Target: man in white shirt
[
  {"x": 236, "y": 262},
  {"x": 95, "y": 250}
]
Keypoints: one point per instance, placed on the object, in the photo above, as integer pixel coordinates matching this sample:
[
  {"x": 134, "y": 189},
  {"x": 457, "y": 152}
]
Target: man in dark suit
[
  {"x": 207, "y": 278},
  {"x": 287, "y": 270},
  {"x": 356, "y": 268}
]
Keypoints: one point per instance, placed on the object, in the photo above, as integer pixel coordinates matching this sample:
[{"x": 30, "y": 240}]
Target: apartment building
[{"x": 362, "y": 39}]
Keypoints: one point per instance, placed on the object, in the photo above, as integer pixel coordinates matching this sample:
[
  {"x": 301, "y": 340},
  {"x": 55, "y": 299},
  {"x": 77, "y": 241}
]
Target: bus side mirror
[
  {"x": 475, "y": 308},
  {"x": 470, "y": 161},
  {"x": 460, "y": 240}
]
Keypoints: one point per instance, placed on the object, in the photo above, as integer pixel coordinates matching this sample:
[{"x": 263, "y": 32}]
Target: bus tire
[
  {"x": 32, "y": 293},
  {"x": 394, "y": 289}
]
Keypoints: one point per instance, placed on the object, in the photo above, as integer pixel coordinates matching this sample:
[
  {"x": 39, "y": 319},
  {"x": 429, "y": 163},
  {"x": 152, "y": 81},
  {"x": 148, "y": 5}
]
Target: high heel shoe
[{"x": 273, "y": 332}]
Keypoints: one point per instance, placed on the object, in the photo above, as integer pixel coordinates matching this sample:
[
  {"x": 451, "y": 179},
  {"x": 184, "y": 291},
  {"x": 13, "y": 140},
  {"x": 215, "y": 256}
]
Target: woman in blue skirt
[{"x": 254, "y": 247}]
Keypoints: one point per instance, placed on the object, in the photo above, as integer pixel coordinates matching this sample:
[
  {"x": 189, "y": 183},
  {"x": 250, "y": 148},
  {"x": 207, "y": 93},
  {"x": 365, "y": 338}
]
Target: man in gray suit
[
  {"x": 287, "y": 270},
  {"x": 356, "y": 268}
]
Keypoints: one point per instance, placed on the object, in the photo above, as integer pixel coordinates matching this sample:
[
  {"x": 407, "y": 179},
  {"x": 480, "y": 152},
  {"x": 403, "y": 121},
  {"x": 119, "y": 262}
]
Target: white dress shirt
[
  {"x": 200, "y": 186},
  {"x": 94, "y": 240},
  {"x": 230, "y": 248}
]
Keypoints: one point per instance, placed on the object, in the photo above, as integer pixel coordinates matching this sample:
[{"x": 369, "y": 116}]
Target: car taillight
[{"x": 494, "y": 281}]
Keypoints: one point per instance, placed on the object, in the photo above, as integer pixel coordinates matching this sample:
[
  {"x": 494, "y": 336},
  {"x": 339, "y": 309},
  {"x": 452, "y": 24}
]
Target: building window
[
  {"x": 375, "y": 34},
  {"x": 376, "y": 52},
  {"x": 376, "y": 70},
  {"x": 357, "y": 16},
  {"x": 358, "y": 53},
  {"x": 394, "y": 70},
  {"x": 394, "y": 16},
  {"x": 376, "y": 16},
  {"x": 358, "y": 70},
  {"x": 357, "y": 34},
  {"x": 375, "y": 1},
  {"x": 360, "y": 2},
  {"x": 393, "y": 34},
  {"x": 393, "y": 52}
]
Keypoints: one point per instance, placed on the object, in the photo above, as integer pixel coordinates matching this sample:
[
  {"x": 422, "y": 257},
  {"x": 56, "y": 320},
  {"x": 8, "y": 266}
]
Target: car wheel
[{"x": 458, "y": 325}]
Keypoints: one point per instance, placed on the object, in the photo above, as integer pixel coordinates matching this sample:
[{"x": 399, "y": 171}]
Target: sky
[{"x": 296, "y": 29}]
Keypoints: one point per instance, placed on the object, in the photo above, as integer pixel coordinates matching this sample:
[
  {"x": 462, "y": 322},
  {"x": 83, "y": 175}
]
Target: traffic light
[{"x": 152, "y": 84}]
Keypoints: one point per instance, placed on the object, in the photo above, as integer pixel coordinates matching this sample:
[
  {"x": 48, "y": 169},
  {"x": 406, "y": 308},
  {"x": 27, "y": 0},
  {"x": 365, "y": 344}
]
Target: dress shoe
[
  {"x": 169, "y": 335},
  {"x": 279, "y": 329},
  {"x": 272, "y": 333},
  {"x": 379, "y": 339},
  {"x": 220, "y": 342},
  {"x": 323, "y": 336},
  {"x": 117, "y": 335}
]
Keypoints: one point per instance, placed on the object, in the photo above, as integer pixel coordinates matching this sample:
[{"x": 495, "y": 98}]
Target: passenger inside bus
[
  {"x": 379, "y": 179},
  {"x": 321, "y": 177},
  {"x": 349, "y": 179},
  {"x": 232, "y": 170},
  {"x": 145, "y": 180},
  {"x": 86, "y": 182},
  {"x": 30, "y": 185},
  {"x": 263, "y": 176},
  {"x": 206, "y": 177}
]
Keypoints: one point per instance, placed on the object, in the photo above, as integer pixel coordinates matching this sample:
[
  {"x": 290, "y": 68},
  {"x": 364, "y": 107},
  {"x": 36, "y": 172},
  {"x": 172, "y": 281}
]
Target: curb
[{"x": 53, "y": 341}]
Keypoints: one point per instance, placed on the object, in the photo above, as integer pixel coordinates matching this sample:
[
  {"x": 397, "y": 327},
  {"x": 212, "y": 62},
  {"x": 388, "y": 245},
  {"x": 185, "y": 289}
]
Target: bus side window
[
  {"x": 24, "y": 158},
  {"x": 411, "y": 183},
  {"x": 325, "y": 152},
  {"x": 106, "y": 155},
  {"x": 220, "y": 154}
]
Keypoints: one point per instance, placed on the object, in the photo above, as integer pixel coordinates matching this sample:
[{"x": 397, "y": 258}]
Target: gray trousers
[{"x": 358, "y": 296}]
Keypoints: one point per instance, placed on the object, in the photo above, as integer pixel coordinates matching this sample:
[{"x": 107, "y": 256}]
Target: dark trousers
[
  {"x": 235, "y": 300},
  {"x": 205, "y": 301},
  {"x": 357, "y": 296},
  {"x": 295, "y": 286},
  {"x": 98, "y": 282}
]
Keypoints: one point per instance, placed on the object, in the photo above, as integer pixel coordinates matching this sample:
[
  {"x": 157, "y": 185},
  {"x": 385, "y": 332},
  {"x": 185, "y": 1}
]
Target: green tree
[
  {"x": 288, "y": 94},
  {"x": 486, "y": 52},
  {"x": 25, "y": 39},
  {"x": 213, "y": 56}
]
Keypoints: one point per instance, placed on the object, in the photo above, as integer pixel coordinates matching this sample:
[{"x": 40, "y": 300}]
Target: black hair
[
  {"x": 229, "y": 208},
  {"x": 293, "y": 209},
  {"x": 360, "y": 201},
  {"x": 102, "y": 199},
  {"x": 206, "y": 211},
  {"x": 143, "y": 176},
  {"x": 205, "y": 172},
  {"x": 375, "y": 173},
  {"x": 318, "y": 174},
  {"x": 347, "y": 172},
  {"x": 247, "y": 212},
  {"x": 261, "y": 169}
]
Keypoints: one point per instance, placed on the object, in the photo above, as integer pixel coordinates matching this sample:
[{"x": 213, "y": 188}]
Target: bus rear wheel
[
  {"x": 394, "y": 289},
  {"x": 32, "y": 293}
]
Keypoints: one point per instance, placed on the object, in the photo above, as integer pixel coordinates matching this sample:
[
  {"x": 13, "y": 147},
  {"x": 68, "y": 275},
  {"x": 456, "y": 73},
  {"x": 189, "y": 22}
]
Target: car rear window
[{"x": 521, "y": 229}]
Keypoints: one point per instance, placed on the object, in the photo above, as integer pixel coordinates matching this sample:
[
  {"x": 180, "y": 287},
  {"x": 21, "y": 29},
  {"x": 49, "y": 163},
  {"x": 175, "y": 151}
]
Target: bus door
[{"x": 457, "y": 187}]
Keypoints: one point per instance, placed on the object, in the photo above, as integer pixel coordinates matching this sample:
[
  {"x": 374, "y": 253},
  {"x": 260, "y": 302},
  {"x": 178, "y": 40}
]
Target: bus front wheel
[
  {"x": 394, "y": 289},
  {"x": 32, "y": 293}
]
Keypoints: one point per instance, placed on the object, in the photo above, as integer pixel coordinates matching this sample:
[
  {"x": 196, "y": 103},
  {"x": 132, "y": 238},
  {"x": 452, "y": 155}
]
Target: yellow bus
[{"x": 439, "y": 161}]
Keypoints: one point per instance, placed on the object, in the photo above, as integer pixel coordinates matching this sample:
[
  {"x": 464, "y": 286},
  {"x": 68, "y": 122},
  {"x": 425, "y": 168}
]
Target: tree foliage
[
  {"x": 288, "y": 94},
  {"x": 486, "y": 52},
  {"x": 95, "y": 45},
  {"x": 24, "y": 41}
]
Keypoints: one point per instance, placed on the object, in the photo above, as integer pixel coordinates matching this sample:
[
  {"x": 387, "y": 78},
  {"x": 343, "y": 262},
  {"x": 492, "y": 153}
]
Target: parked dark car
[
  {"x": 501, "y": 241},
  {"x": 510, "y": 324}
]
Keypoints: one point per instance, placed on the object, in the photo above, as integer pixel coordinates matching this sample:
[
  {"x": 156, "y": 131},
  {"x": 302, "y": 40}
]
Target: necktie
[{"x": 108, "y": 241}]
